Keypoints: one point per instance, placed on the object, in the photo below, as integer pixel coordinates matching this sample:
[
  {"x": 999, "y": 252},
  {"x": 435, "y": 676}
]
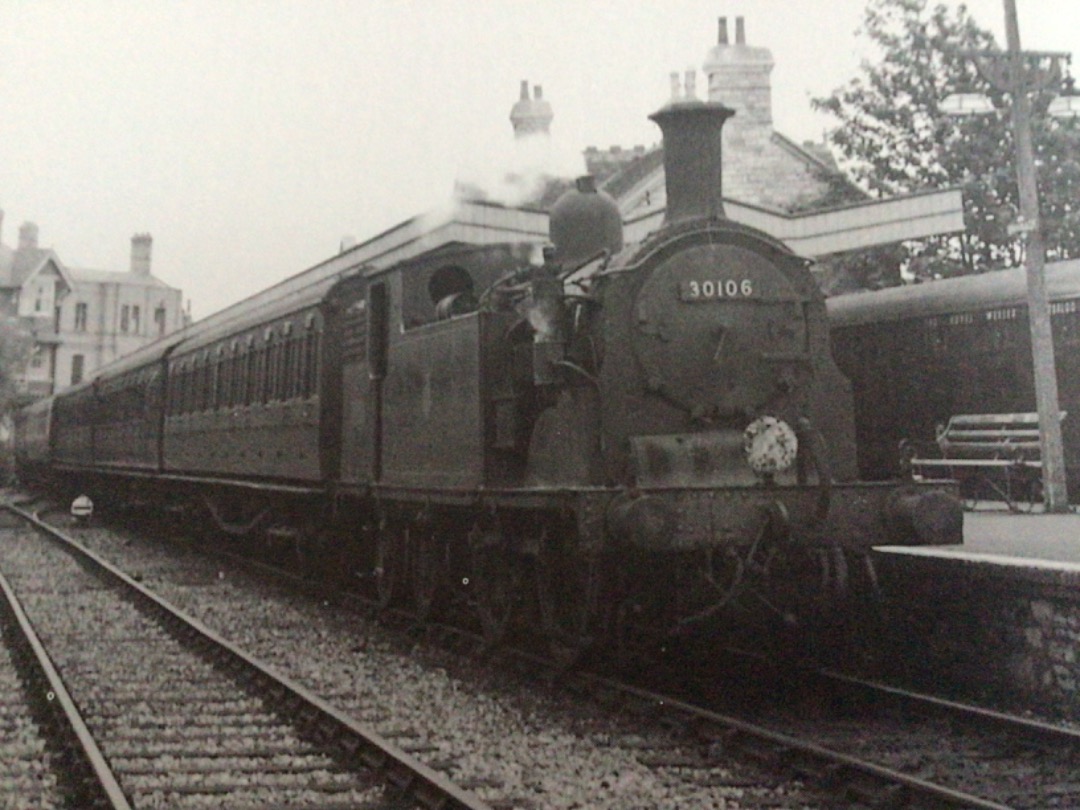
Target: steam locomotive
[{"x": 610, "y": 438}]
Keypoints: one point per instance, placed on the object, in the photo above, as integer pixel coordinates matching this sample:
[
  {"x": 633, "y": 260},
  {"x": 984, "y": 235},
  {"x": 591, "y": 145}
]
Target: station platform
[{"x": 994, "y": 535}]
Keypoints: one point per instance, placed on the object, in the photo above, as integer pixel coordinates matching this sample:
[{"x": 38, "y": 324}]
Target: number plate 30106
[{"x": 716, "y": 289}]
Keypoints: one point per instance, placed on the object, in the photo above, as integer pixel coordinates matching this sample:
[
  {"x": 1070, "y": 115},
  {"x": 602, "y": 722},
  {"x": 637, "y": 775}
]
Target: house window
[
  {"x": 77, "y": 362},
  {"x": 135, "y": 319},
  {"x": 80, "y": 317},
  {"x": 159, "y": 320},
  {"x": 37, "y": 359},
  {"x": 125, "y": 318}
]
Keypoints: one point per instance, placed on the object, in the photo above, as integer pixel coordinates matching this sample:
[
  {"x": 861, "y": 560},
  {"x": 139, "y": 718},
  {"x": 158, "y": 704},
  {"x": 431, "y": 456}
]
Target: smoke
[
  {"x": 435, "y": 218},
  {"x": 515, "y": 171}
]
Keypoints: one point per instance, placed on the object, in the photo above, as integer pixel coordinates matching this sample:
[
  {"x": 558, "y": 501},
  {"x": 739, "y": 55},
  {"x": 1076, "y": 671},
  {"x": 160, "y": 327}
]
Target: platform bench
[{"x": 999, "y": 451}]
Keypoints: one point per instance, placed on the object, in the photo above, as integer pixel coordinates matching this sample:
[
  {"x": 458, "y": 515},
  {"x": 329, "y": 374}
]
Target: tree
[
  {"x": 894, "y": 138},
  {"x": 16, "y": 344}
]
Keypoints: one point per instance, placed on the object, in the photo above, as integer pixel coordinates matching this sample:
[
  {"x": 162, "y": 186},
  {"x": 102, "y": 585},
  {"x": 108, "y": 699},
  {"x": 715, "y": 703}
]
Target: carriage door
[
  {"x": 378, "y": 349},
  {"x": 348, "y": 385}
]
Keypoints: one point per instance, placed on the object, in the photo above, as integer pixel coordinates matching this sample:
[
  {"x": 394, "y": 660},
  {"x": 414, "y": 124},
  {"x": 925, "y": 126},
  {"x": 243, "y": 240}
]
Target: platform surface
[{"x": 995, "y": 535}]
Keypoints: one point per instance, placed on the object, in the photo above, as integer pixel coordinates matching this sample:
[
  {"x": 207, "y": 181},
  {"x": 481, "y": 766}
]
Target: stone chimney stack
[
  {"x": 28, "y": 236},
  {"x": 739, "y": 76},
  {"x": 141, "y": 244},
  {"x": 531, "y": 116}
]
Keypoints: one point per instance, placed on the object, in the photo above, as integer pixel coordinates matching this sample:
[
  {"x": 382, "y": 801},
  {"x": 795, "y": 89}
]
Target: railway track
[
  {"x": 885, "y": 747},
  {"x": 921, "y": 752},
  {"x": 181, "y": 718},
  {"x": 48, "y": 759}
]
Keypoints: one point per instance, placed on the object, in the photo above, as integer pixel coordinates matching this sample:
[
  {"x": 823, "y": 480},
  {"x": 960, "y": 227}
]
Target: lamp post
[{"x": 1019, "y": 73}]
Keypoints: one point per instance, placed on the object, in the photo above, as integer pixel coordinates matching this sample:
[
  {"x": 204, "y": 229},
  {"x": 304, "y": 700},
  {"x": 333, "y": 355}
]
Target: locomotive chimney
[{"x": 693, "y": 162}]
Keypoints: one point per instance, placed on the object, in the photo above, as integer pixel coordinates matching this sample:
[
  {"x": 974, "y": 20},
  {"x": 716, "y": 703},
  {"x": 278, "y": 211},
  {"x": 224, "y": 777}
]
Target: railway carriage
[
  {"x": 32, "y": 440},
  {"x": 129, "y": 407},
  {"x": 601, "y": 438},
  {"x": 948, "y": 347},
  {"x": 243, "y": 399},
  {"x": 74, "y": 417}
]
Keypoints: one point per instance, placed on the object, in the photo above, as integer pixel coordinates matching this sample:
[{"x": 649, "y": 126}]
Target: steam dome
[{"x": 584, "y": 221}]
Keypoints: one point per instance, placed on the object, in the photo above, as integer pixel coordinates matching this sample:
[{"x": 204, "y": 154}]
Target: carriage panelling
[
  {"x": 247, "y": 404},
  {"x": 74, "y": 414},
  {"x": 130, "y": 409},
  {"x": 955, "y": 346},
  {"x": 32, "y": 435}
]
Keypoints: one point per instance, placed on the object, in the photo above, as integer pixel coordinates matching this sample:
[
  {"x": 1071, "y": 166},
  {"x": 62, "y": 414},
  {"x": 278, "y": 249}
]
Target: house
[{"x": 80, "y": 319}]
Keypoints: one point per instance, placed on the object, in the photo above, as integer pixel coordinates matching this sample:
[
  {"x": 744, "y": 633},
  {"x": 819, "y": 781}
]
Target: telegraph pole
[
  {"x": 1055, "y": 492},
  {"x": 1021, "y": 73}
]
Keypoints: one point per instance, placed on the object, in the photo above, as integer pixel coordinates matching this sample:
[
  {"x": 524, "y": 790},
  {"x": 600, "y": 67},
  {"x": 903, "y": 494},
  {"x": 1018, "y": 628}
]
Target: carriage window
[
  {"x": 378, "y": 329},
  {"x": 266, "y": 368},
  {"x": 311, "y": 346},
  {"x": 288, "y": 364},
  {"x": 256, "y": 354},
  {"x": 219, "y": 378}
]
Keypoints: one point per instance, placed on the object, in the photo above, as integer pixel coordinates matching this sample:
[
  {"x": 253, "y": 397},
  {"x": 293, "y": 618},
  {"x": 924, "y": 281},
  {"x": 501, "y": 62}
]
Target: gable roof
[
  {"x": 640, "y": 168},
  {"x": 645, "y": 174},
  {"x": 25, "y": 269}
]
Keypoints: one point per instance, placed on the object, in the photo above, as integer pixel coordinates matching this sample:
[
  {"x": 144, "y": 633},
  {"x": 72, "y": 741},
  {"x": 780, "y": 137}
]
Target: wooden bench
[{"x": 996, "y": 451}]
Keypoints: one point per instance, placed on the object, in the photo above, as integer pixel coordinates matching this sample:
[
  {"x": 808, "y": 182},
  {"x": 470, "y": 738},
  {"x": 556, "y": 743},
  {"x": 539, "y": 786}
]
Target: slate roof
[
  {"x": 634, "y": 172},
  {"x": 628, "y": 177},
  {"x": 88, "y": 276},
  {"x": 18, "y": 265}
]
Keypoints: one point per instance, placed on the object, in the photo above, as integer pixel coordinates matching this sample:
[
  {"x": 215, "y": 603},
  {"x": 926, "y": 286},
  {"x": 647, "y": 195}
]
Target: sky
[{"x": 250, "y": 136}]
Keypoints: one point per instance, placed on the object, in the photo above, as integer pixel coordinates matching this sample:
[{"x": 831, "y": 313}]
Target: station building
[
  {"x": 762, "y": 167},
  {"x": 79, "y": 319}
]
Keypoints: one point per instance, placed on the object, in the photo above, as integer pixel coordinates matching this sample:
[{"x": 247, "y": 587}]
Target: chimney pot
[
  {"x": 28, "y": 236},
  {"x": 722, "y": 38},
  {"x": 141, "y": 247},
  {"x": 690, "y": 85},
  {"x": 538, "y": 92},
  {"x": 531, "y": 116},
  {"x": 586, "y": 184},
  {"x": 740, "y": 31},
  {"x": 676, "y": 91}
]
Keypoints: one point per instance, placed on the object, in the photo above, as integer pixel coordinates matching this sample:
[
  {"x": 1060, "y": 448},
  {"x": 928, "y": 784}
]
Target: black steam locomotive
[{"x": 610, "y": 438}]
